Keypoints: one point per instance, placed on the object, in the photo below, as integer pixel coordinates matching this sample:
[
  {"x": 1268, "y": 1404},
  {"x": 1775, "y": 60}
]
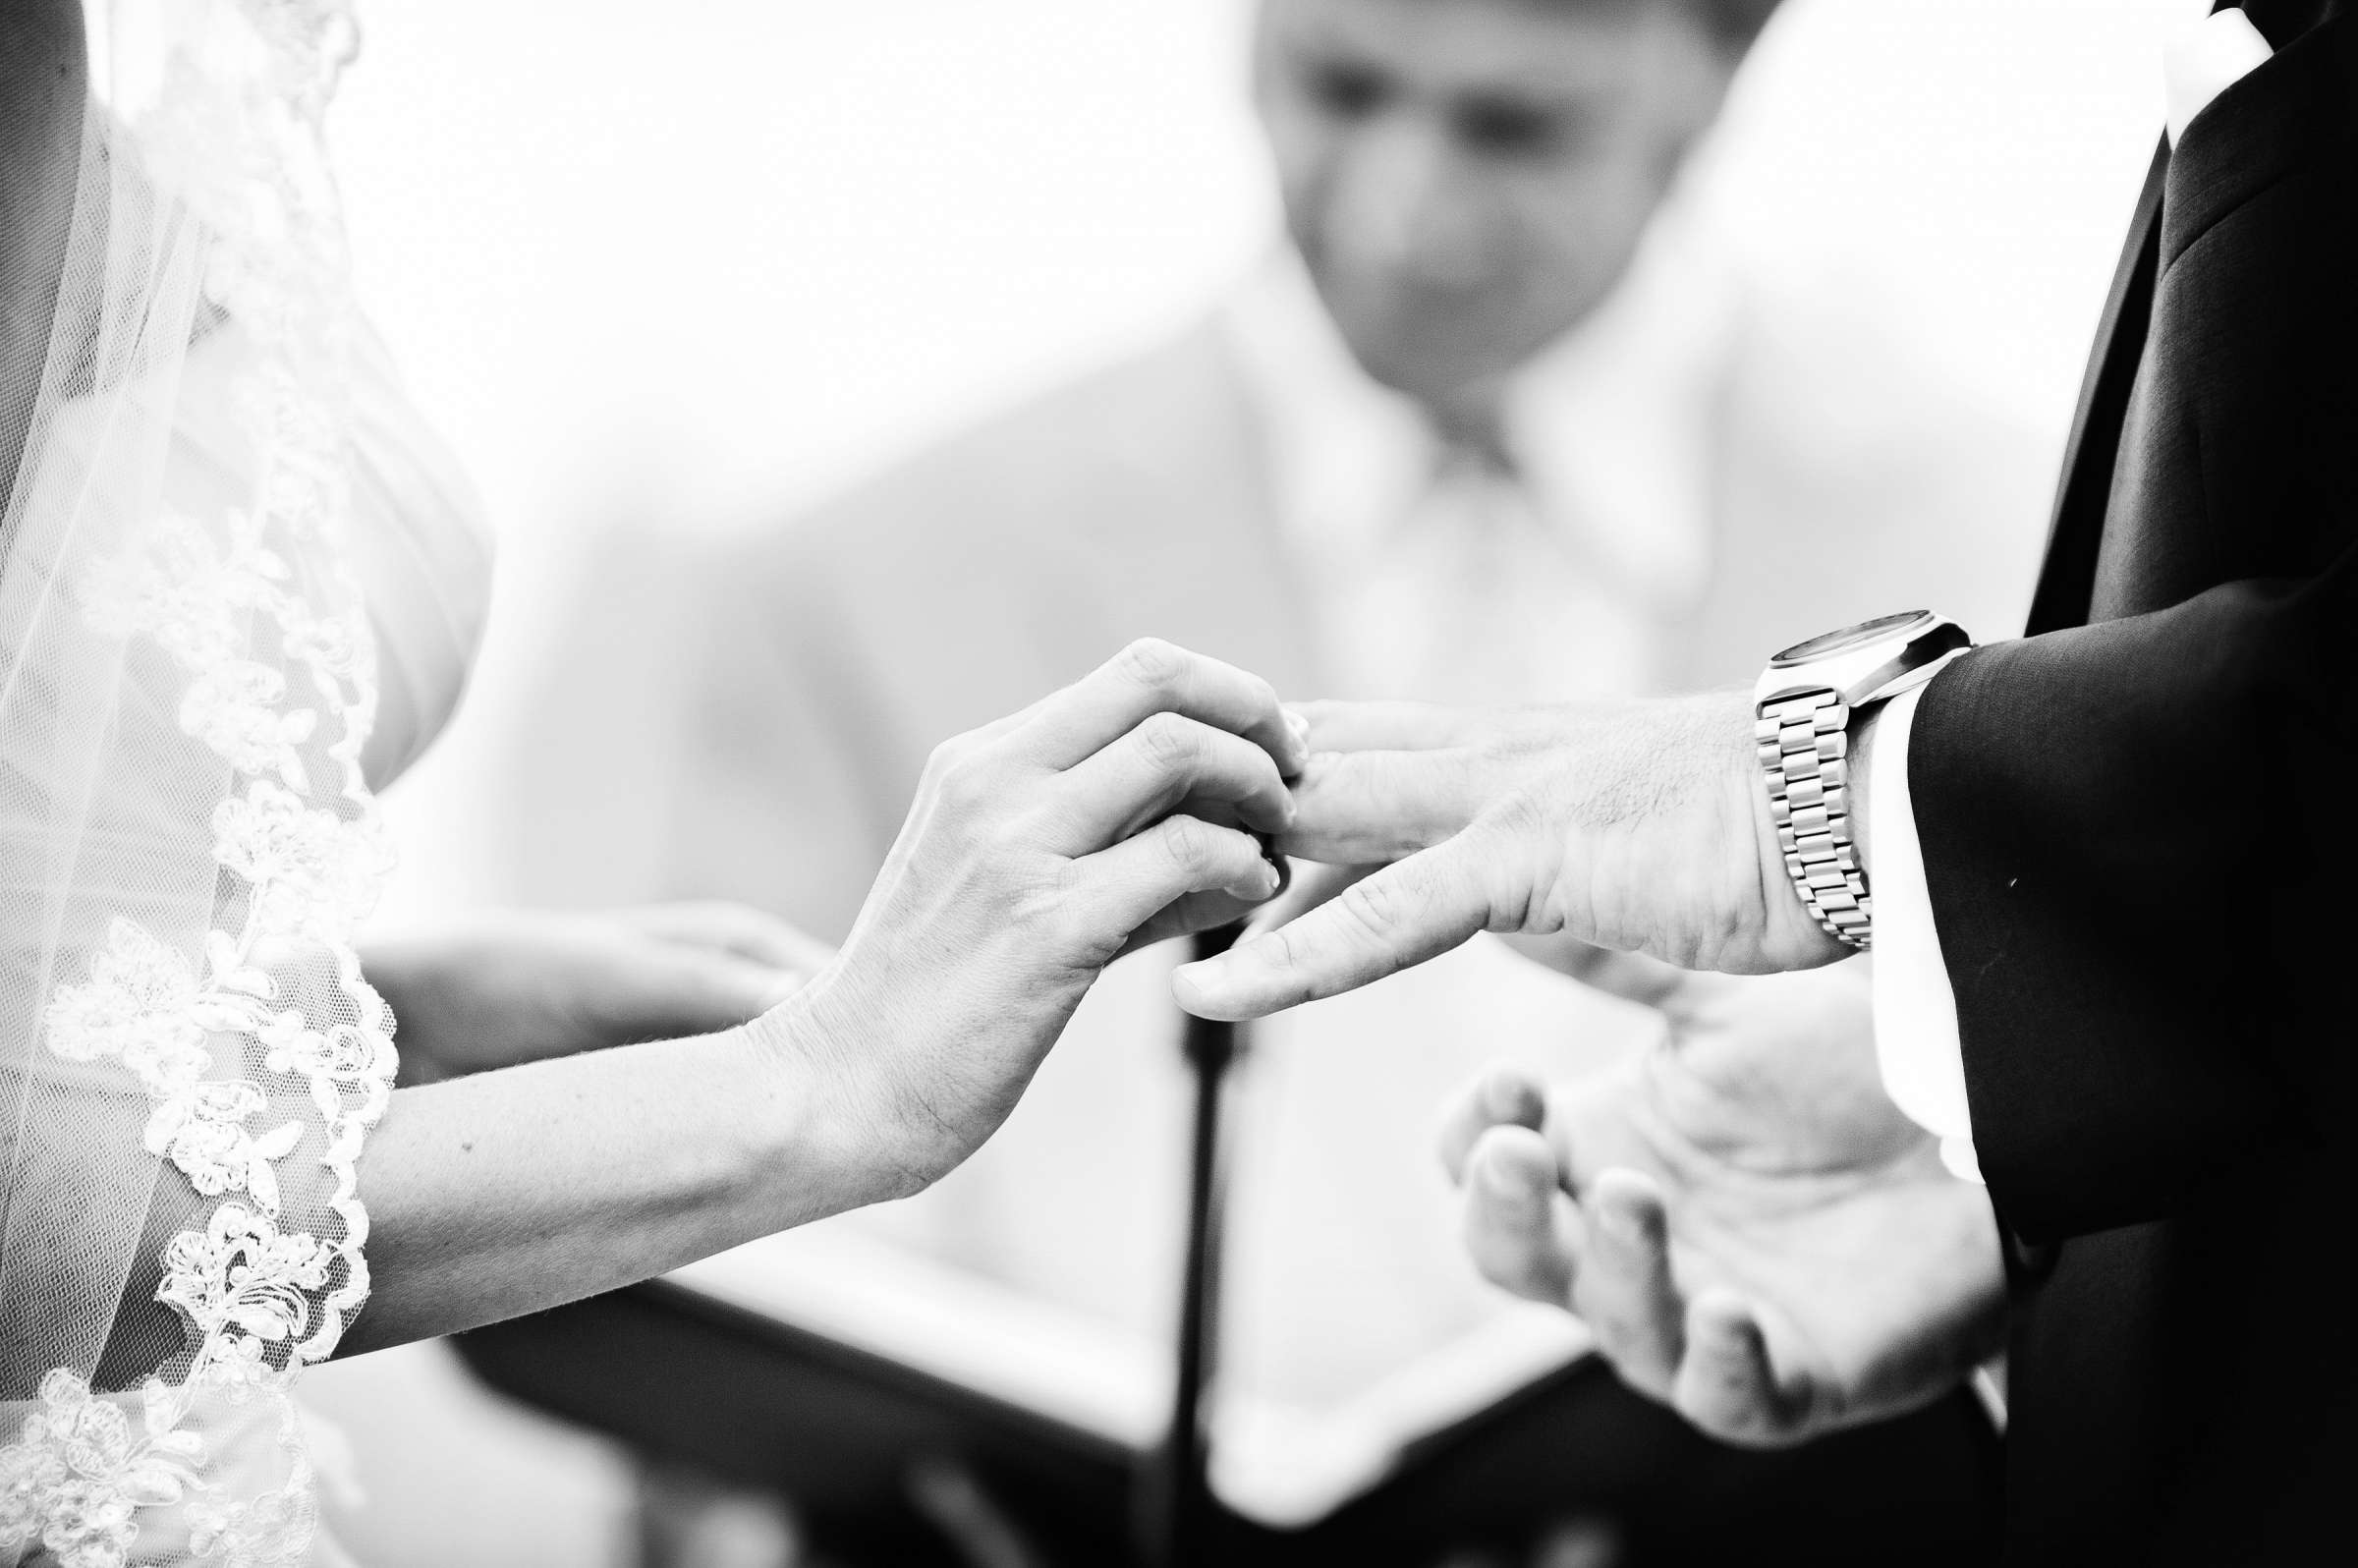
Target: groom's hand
[
  {"x": 1635, "y": 826},
  {"x": 1754, "y": 1232}
]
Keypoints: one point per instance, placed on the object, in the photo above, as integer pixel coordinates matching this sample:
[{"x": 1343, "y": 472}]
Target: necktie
[{"x": 1476, "y": 594}]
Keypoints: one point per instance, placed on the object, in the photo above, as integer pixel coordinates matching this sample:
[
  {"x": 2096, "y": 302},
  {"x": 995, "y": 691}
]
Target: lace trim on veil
[{"x": 266, "y": 1049}]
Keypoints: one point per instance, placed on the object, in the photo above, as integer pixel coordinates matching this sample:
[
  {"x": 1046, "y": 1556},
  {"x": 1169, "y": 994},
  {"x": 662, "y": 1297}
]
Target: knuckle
[
  {"x": 1281, "y": 949},
  {"x": 1374, "y": 905},
  {"x": 1520, "y": 817},
  {"x": 1047, "y": 899},
  {"x": 1061, "y": 907},
  {"x": 1153, "y": 663},
  {"x": 1008, "y": 840},
  {"x": 951, "y": 768},
  {"x": 1170, "y": 743},
  {"x": 1193, "y": 846}
]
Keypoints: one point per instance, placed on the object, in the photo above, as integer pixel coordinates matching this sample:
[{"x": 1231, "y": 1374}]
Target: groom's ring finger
[
  {"x": 1167, "y": 759},
  {"x": 1149, "y": 677},
  {"x": 1368, "y": 808},
  {"x": 1402, "y": 726}
]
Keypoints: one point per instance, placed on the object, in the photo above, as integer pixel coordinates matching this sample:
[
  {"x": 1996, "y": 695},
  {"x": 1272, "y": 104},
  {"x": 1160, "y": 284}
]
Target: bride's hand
[
  {"x": 512, "y": 987},
  {"x": 1039, "y": 849}
]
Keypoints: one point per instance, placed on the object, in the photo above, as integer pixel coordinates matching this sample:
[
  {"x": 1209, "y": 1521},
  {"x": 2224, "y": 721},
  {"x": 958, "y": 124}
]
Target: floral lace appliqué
[
  {"x": 75, "y": 1480},
  {"x": 241, "y": 1279}
]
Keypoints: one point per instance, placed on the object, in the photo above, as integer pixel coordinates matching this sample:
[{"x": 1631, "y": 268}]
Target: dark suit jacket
[{"x": 2141, "y": 827}]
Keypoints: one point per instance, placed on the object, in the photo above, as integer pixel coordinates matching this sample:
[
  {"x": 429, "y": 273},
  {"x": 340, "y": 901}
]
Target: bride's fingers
[
  {"x": 730, "y": 928},
  {"x": 1152, "y": 677},
  {"x": 1624, "y": 1289},
  {"x": 1519, "y": 1230},
  {"x": 1130, "y": 884},
  {"x": 1506, "y": 1095},
  {"x": 1725, "y": 1384},
  {"x": 1167, "y": 759}
]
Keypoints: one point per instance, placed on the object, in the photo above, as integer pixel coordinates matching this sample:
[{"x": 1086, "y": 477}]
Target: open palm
[{"x": 1757, "y": 1236}]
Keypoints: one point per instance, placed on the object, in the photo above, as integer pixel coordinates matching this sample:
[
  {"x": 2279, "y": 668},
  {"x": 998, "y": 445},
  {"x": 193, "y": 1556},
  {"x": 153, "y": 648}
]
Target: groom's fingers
[
  {"x": 1624, "y": 1289},
  {"x": 1504, "y": 1095},
  {"x": 1399, "y": 916},
  {"x": 1398, "y": 726},
  {"x": 1368, "y": 808},
  {"x": 1726, "y": 1386},
  {"x": 1517, "y": 1223},
  {"x": 1310, "y": 884},
  {"x": 1150, "y": 677}
]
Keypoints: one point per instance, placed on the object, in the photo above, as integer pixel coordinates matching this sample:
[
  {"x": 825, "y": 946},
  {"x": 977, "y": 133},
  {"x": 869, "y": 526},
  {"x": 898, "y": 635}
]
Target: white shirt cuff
[{"x": 1915, "y": 1040}]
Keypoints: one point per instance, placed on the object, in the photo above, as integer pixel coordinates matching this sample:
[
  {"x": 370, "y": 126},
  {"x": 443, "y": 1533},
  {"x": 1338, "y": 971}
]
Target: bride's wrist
[{"x": 835, "y": 1103}]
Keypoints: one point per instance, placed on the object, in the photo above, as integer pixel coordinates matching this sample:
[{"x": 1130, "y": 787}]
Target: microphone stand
[{"x": 1182, "y": 1522}]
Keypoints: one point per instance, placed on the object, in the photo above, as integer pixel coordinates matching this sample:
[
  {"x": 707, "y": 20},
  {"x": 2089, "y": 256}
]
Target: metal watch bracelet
[{"x": 1805, "y": 751}]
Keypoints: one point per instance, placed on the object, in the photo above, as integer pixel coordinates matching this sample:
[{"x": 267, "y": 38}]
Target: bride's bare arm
[
  {"x": 1038, "y": 849},
  {"x": 520, "y": 1189}
]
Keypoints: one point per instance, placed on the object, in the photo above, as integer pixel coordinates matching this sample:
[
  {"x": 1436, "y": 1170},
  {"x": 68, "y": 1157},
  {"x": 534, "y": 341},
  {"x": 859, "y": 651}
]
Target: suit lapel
[
  {"x": 2068, "y": 576},
  {"x": 2224, "y": 163}
]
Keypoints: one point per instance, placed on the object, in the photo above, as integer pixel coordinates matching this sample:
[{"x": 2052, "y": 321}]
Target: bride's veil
[{"x": 189, "y": 1058}]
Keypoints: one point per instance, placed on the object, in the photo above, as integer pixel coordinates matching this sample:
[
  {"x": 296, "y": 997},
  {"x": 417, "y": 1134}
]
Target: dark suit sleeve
[{"x": 2140, "y": 841}]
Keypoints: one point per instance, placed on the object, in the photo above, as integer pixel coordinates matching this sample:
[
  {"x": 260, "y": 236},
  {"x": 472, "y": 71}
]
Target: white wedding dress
[{"x": 241, "y": 590}]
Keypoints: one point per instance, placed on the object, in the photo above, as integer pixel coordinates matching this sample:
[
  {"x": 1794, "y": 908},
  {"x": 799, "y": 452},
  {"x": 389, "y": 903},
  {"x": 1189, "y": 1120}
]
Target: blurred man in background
[{"x": 1502, "y": 421}]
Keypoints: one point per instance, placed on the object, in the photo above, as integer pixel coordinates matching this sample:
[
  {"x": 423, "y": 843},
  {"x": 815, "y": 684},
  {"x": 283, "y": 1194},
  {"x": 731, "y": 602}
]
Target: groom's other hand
[
  {"x": 1641, "y": 827},
  {"x": 1755, "y": 1235}
]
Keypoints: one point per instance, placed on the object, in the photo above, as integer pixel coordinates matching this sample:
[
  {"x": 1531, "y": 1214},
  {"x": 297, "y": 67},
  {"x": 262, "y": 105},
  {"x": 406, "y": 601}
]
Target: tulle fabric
[{"x": 189, "y": 1059}]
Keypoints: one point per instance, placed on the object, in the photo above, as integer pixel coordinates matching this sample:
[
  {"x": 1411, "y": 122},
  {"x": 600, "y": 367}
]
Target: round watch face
[{"x": 1850, "y": 637}]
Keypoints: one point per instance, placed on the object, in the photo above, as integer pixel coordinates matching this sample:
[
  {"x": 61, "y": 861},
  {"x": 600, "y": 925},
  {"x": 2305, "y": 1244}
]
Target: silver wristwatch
[{"x": 1802, "y": 710}]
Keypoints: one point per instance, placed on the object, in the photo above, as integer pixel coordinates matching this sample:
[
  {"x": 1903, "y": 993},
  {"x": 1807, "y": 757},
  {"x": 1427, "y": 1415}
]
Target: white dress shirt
[
  {"x": 1917, "y": 1040},
  {"x": 1545, "y": 568}
]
